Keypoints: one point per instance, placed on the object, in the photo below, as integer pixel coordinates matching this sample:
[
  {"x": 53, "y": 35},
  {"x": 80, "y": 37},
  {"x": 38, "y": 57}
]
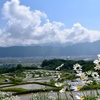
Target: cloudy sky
[{"x": 27, "y": 22}]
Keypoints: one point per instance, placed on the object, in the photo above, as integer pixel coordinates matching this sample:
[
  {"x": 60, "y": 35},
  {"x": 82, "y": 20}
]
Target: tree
[{"x": 19, "y": 67}]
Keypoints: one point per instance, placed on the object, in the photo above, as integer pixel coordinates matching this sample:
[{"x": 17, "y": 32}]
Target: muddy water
[
  {"x": 62, "y": 95},
  {"x": 25, "y": 97},
  {"x": 29, "y": 86}
]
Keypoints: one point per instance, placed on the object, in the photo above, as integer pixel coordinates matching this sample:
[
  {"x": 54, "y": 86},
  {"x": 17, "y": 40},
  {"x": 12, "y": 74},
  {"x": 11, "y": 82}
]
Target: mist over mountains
[{"x": 85, "y": 48}]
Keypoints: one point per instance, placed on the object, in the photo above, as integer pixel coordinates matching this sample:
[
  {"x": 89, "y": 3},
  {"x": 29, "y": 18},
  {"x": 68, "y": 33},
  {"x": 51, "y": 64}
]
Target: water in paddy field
[{"x": 62, "y": 95}]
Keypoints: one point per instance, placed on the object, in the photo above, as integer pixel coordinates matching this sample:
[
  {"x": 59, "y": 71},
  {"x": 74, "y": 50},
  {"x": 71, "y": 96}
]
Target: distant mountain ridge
[{"x": 72, "y": 50}]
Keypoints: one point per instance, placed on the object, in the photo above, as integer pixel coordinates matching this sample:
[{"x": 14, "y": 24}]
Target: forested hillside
[{"x": 68, "y": 64}]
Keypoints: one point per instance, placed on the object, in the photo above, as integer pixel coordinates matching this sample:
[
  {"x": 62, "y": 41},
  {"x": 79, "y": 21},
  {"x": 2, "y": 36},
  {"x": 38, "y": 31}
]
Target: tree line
[
  {"x": 18, "y": 68},
  {"x": 52, "y": 64}
]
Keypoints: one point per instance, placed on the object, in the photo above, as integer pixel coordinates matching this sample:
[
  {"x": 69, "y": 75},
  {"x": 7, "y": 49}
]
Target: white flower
[
  {"x": 62, "y": 90},
  {"x": 78, "y": 71},
  {"x": 82, "y": 76},
  {"x": 77, "y": 67},
  {"x": 62, "y": 65},
  {"x": 59, "y": 67},
  {"x": 98, "y": 56},
  {"x": 95, "y": 75},
  {"x": 76, "y": 88},
  {"x": 88, "y": 72},
  {"x": 88, "y": 82},
  {"x": 96, "y": 62},
  {"x": 59, "y": 76},
  {"x": 58, "y": 84},
  {"x": 97, "y": 80},
  {"x": 97, "y": 67},
  {"x": 79, "y": 97}
]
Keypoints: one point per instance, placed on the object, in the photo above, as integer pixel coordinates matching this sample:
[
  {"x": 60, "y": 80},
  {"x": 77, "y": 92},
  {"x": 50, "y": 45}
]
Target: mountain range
[{"x": 85, "y": 48}]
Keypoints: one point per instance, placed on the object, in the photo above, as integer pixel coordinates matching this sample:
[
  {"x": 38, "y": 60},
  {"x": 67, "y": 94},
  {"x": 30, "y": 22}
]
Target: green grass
[
  {"x": 19, "y": 91},
  {"x": 89, "y": 87},
  {"x": 14, "y": 89}
]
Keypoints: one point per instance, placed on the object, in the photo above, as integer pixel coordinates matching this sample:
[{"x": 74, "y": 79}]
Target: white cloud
[{"x": 26, "y": 27}]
